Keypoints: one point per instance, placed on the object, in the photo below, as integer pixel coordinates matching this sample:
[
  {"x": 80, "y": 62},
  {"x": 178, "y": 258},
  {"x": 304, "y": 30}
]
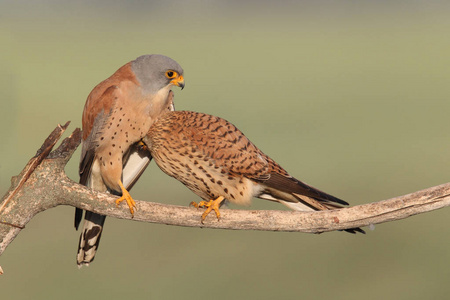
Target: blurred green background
[{"x": 349, "y": 96}]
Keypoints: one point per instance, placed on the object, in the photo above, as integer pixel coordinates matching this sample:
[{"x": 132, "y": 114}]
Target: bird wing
[
  {"x": 98, "y": 106},
  {"x": 289, "y": 184},
  {"x": 232, "y": 151},
  {"x": 95, "y": 114},
  {"x": 223, "y": 144}
]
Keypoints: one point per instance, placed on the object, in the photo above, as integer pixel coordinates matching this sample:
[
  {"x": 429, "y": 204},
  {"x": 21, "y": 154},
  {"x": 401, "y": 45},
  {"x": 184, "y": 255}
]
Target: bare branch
[
  {"x": 41, "y": 154},
  {"x": 46, "y": 186}
]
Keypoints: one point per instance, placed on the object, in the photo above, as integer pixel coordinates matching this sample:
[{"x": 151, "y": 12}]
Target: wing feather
[{"x": 221, "y": 142}]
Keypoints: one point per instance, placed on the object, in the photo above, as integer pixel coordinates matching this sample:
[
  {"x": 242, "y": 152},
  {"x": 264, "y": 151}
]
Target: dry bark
[{"x": 43, "y": 184}]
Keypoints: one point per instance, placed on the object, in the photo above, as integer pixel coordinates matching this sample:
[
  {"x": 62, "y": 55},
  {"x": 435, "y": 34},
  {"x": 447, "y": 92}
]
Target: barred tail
[{"x": 89, "y": 238}]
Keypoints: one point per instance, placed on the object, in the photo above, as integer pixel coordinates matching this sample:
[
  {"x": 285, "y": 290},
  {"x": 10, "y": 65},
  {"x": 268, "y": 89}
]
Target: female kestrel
[{"x": 218, "y": 162}]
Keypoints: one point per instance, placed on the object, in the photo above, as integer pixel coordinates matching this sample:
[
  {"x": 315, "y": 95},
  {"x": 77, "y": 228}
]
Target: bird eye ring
[{"x": 171, "y": 74}]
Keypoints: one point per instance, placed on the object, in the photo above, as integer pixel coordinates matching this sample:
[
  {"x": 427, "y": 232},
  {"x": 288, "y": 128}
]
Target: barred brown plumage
[{"x": 218, "y": 162}]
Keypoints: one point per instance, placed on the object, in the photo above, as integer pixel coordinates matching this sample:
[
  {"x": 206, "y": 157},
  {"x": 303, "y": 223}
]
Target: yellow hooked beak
[{"x": 179, "y": 81}]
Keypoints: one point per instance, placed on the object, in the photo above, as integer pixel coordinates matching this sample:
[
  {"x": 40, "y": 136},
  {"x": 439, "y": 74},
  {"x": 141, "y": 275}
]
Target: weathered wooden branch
[{"x": 43, "y": 184}]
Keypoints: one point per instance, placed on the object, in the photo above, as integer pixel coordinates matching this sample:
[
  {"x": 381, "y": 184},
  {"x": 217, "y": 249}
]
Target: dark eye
[{"x": 170, "y": 74}]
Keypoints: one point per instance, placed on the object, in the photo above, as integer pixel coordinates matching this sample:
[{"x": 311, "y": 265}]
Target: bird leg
[
  {"x": 127, "y": 197},
  {"x": 210, "y": 206}
]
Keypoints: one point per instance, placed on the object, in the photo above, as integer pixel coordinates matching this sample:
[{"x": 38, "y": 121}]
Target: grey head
[{"x": 156, "y": 71}]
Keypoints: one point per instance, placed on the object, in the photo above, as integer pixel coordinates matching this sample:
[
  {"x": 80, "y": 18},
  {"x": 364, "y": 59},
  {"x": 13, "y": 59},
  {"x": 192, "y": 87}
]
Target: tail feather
[
  {"x": 300, "y": 196},
  {"x": 135, "y": 163},
  {"x": 292, "y": 185},
  {"x": 299, "y": 206},
  {"x": 90, "y": 238},
  {"x": 78, "y": 217}
]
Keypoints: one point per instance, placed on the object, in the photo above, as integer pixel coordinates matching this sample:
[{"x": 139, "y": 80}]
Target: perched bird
[
  {"x": 118, "y": 113},
  {"x": 218, "y": 162}
]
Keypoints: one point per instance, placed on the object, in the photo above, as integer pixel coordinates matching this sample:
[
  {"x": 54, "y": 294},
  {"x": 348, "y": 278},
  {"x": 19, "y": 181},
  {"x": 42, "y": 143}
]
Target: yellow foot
[
  {"x": 210, "y": 206},
  {"x": 127, "y": 197},
  {"x": 142, "y": 146}
]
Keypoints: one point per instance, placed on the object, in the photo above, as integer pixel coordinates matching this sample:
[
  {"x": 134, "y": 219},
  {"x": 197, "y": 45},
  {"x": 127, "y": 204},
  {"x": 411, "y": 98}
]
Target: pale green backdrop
[{"x": 349, "y": 96}]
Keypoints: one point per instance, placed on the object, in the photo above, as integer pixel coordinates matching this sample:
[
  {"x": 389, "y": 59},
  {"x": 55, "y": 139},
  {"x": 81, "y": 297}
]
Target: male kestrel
[
  {"x": 119, "y": 112},
  {"x": 218, "y": 162}
]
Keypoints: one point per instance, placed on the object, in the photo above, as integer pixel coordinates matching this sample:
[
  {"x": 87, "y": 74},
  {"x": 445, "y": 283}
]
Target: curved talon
[
  {"x": 194, "y": 204},
  {"x": 127, "y": 197},
  {"x": 210, "y": 206}
]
